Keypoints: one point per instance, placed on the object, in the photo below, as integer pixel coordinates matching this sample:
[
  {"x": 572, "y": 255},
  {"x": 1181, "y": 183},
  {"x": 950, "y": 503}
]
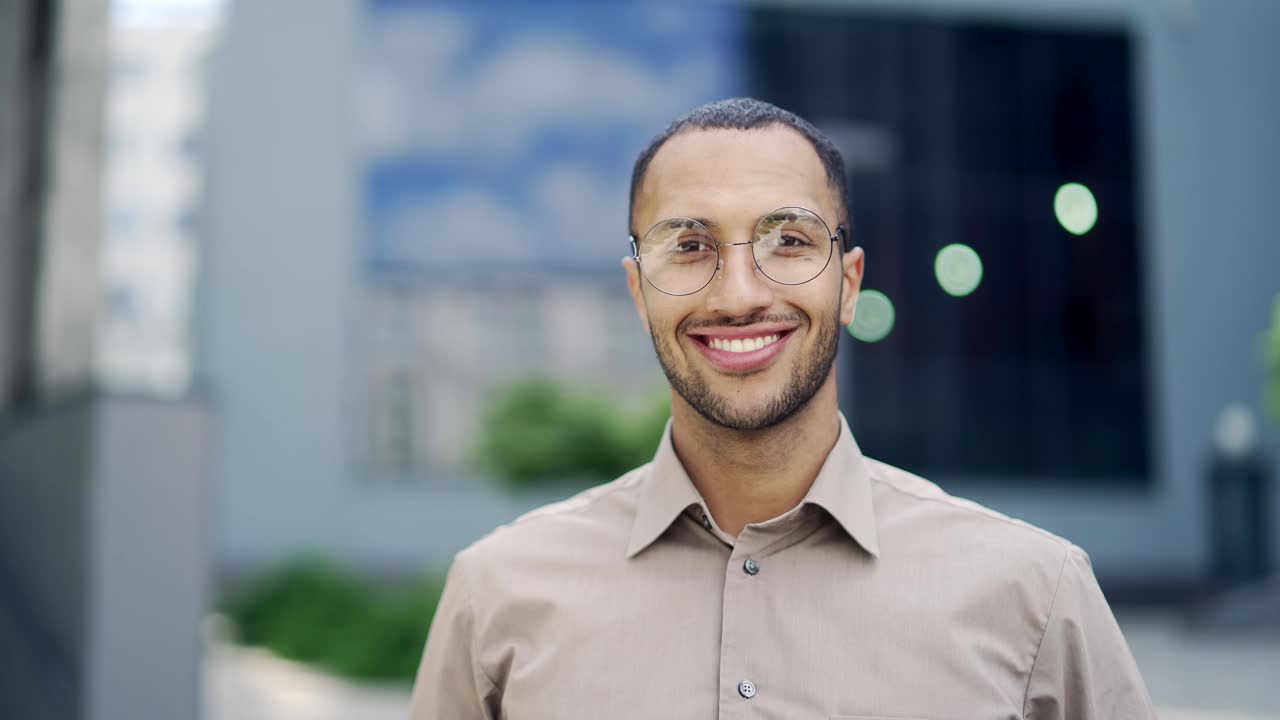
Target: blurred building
[
  {"x": 420, "y": 202},
  {"x": 103, "y": 443},
  {"x": 437, "y": 350},
  {"x": 152, "y": 190}
]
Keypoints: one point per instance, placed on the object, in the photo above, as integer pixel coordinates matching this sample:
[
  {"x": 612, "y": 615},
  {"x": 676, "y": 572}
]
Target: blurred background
[{"x": 299, "y": 298}]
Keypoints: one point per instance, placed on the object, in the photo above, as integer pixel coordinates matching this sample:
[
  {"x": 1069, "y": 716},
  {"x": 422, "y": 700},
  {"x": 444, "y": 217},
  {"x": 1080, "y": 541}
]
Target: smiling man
[{"x": 760, "y": 566}]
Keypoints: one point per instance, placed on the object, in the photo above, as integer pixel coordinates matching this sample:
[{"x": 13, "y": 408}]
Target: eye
[
  {"x": 693, "y": 244},
  {"x": 792, "y": 240}
]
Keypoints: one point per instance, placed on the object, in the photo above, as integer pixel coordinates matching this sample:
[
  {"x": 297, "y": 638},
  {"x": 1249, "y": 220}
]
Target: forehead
[{"x": 733, "y": 176}]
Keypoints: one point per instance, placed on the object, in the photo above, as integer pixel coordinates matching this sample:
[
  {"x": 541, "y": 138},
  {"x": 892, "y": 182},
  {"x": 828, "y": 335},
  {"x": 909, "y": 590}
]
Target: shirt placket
[
  {"x": 744, "y": 677},
  {"x": 738, "y": 680}
]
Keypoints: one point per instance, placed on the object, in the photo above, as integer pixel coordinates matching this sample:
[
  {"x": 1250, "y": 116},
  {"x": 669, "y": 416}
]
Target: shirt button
[
  {"x": 747, "y": 689},
  {"x": 706, "y": 521},
  {"x": 751, "y": 567}
]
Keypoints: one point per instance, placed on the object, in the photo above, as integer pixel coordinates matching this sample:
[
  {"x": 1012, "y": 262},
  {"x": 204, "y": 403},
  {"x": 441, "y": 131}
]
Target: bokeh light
[
  {"x": 958, "y": 269},
  {"x": 873, "y": 318},
  {"x": 1075, "y": 208}
]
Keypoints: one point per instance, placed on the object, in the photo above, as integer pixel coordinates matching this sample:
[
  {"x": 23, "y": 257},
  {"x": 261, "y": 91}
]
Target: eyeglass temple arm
[{"x": 846, "y": 242}]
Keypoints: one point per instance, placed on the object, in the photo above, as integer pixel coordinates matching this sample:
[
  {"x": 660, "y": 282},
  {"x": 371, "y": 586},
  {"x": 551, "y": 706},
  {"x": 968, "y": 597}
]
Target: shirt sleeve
[
  {"x": 1083, "y": 669},
  {"x": 449, "y": 683}
]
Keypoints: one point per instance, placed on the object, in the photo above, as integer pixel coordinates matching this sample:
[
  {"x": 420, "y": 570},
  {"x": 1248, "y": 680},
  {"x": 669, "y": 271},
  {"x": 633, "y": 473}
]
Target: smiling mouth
[
  {"x": 741, "y": 345},
  {"x": 746, "y": 351}
]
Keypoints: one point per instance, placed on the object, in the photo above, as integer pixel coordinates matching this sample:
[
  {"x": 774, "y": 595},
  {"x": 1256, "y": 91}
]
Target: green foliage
[
  {"x": 539, "y": 432},
  {"x": 315, "y": 612},
  {"x": 1271, "y": 358}
]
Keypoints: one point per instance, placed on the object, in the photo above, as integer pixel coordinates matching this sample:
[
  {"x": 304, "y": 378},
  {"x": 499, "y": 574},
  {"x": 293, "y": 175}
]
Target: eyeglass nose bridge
[{"x": 720, "y": 256}]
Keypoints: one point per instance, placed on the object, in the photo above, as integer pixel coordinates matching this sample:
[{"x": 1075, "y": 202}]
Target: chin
[{"x": 748, "y": 414}]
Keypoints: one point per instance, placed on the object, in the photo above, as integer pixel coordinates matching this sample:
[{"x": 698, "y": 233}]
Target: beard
[{"x": 808, "y": 374}]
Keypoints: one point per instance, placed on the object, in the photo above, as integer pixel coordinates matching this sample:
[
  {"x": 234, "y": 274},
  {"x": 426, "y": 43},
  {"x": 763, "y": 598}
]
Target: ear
[
  {"x": 851, "y": 263},
  {"x": 634, "y": 284}
]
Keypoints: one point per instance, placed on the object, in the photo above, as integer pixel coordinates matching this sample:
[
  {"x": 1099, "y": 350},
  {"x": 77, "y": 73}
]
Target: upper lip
[{"x": 742, "y": 331}]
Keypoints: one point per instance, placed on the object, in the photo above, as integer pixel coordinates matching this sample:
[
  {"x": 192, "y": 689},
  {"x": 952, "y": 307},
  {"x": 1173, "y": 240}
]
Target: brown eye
[{"x": 693, "y": 244}]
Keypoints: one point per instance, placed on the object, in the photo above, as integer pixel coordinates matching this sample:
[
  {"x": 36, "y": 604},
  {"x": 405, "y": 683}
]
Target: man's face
[{"x": 732, "y": 179}]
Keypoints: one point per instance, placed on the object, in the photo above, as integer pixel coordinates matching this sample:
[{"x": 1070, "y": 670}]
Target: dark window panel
[{"x": 1041, "y": 373}]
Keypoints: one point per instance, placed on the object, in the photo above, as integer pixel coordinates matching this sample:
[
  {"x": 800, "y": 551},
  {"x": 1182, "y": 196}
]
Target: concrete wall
[
  {"x": 278, "y": 265},
  {"x": 149, "y": 570},
  {"x": 103, "y": 547},
  {"x": 44, "y": 541},
  {"x": 281, "y": 272}
]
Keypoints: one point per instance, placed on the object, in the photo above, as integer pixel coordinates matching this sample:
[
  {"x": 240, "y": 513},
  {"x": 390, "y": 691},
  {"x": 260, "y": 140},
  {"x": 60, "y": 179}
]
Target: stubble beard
[{"x": 808, "y": 374}]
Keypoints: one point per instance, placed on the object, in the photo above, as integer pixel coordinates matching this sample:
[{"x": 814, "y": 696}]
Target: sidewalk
[
  {"x": 1191, "y": 675},
  {"x": 1215, "y": 673},
  {"x": 251, "y": 684}
]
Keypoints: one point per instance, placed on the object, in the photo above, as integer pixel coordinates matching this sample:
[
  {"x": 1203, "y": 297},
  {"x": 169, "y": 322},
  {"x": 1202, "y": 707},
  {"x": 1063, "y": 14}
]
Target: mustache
[{"x": 742, "y": 322}]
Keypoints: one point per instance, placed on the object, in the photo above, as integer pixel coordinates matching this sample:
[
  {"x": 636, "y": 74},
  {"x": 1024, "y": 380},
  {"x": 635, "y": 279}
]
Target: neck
[{"x": 753, "y": 476}]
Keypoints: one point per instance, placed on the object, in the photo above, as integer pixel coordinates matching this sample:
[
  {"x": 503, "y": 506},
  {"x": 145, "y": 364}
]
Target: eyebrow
[{"x": 713, "y": 225}]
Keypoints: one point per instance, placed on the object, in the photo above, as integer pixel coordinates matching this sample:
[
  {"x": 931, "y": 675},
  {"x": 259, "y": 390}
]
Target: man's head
[
  {"x": 729, "y": 165},
  {"x": 744, "y": 114}
]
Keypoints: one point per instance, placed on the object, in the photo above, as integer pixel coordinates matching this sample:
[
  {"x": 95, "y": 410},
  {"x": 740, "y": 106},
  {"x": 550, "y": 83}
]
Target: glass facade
[{"x": 963, "y": 133}]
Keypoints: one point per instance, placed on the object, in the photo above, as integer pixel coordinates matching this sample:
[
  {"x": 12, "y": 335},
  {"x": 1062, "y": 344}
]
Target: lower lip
[{"x": 743, "y": 361}]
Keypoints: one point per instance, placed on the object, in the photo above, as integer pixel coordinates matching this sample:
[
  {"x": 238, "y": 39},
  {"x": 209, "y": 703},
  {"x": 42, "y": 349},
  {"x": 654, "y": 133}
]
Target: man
[{"x": 760, "y": 566}]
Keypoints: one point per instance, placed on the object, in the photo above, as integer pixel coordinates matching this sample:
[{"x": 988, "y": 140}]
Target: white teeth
[{"x": 739, "y": 345}]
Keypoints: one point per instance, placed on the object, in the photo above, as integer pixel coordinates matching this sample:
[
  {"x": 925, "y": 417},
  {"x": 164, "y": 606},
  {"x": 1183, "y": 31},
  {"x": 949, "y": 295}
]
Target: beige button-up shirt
[{"x": 878, "y": 596}]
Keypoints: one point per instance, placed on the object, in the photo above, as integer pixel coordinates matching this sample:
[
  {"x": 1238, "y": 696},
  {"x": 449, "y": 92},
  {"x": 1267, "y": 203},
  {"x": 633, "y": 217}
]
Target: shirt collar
[{"x": 842, "y": 488}]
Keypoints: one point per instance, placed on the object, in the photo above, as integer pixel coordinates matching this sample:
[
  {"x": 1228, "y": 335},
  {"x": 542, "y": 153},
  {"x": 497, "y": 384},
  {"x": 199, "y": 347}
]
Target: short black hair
[{"x": 745, "y": 113}]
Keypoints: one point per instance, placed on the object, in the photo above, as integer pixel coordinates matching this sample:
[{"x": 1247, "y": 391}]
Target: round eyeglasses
[{"x": 680, "y": 256}]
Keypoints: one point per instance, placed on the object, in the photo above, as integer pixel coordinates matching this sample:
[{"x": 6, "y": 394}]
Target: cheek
[
  {"x": 666, "y": 314},
  {"x": 820, "y": 304}
]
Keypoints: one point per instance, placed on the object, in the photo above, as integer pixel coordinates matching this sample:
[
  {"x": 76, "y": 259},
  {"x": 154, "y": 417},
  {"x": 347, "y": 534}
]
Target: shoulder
[
  {"x": 920, "y": 517},
  {"x": 596, "y": 520}
]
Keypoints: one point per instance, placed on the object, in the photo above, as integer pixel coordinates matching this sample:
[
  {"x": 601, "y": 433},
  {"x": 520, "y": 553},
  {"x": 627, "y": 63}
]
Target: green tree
[
  {"x": 315, "y": 611},
  {"x": 538, "y": 431}
]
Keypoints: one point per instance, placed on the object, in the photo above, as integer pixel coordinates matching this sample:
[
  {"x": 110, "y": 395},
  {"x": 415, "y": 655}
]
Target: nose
[{"x": 738, "y": 288}]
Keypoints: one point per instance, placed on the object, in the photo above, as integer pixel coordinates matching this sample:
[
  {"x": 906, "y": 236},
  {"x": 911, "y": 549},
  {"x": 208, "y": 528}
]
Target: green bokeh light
[
  {"x": 958, "y": 269},
  {"x": 873, "y": 318},
  {"x": 1075, "y": 208}
]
